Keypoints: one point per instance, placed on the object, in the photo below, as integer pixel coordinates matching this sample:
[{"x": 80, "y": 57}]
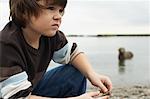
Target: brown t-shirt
[{"x": 20, "y": 64}]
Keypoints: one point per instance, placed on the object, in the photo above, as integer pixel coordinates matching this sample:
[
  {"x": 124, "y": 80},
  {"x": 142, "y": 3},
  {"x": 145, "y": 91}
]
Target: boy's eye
[
  {"x": 61, "y": 11},
  {"x": 51, "y": 8}
]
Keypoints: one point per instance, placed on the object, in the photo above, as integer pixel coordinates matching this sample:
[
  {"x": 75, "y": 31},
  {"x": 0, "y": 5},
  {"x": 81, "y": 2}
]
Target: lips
[{"x": 56, "y": 25}]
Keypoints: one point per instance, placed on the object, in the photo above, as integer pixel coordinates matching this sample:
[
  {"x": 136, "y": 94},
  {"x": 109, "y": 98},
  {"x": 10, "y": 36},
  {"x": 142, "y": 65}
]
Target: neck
[{"x": 32, "y": 38}]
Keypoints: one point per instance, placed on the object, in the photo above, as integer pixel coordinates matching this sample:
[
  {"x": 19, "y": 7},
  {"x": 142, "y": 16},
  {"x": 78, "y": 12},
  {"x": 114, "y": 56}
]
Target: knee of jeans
[
  {"x": 67, "y": 71},
  {"x": 76, "y": 80},
  {"x": 71, "y": 69},
  {"x": 75, "y": 73},
  {"x": 68, "y": 80}
]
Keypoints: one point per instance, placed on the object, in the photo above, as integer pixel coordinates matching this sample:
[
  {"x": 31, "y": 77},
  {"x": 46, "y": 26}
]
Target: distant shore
[
  {"x": 108, "y": 35},
  {"x": 129, "y": 92}
]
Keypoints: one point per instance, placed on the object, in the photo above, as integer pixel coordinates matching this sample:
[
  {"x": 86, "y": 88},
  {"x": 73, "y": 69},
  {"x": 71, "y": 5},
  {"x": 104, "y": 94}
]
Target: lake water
[{"x": 103, "y": 55}]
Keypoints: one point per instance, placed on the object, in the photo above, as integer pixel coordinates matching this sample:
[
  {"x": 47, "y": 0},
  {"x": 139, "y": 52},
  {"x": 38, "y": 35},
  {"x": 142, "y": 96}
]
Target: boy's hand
[
  {"x": 100, "y": 81},
  {"x": 92, "y": 95}
]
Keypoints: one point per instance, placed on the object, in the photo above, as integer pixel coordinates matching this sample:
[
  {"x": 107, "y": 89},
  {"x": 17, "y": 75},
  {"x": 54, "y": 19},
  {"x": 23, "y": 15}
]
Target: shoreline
[
  {"x": 128, "y": 92},
  {"x": 111, "y": 35}
]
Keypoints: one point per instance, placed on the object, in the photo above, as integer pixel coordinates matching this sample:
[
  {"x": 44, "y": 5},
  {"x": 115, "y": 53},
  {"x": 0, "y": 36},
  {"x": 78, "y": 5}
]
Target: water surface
[{"x": 103, "y": 55}]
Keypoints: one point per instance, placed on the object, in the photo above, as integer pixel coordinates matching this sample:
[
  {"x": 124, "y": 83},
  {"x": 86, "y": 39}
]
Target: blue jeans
[{"x": 63, "y": 81}]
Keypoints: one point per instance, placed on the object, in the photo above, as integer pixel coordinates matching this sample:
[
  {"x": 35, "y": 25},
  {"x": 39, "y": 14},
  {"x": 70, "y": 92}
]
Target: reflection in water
[{"x": 121, "y": 64}]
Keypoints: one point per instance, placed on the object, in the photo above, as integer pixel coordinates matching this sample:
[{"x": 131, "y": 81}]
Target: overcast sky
[{"x": 100, "y": 16}]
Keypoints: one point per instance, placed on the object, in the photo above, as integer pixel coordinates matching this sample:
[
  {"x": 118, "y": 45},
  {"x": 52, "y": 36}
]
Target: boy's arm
[
  {"x": 82, "y": 64},
  {"x": 14, "y": 86},
  {"x": 70, "y": 53}
]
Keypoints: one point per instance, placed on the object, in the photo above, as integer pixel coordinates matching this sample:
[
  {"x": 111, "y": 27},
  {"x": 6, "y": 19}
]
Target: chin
[{"x": 50, "y": 34}]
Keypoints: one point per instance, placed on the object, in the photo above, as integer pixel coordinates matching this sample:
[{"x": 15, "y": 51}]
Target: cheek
[
  {"x": 41, "y": 24},
  {"x": 41, "y": 21}
]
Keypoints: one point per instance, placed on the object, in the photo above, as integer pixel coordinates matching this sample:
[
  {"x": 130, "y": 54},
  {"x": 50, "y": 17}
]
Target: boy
[{"x": 27, "y": 45}]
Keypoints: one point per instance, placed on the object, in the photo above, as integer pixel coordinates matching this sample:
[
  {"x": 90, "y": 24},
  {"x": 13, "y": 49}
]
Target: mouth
[{"x": 56, "y": 25}]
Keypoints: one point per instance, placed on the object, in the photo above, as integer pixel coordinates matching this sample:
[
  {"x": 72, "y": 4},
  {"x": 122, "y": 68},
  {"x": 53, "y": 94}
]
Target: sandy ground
[{"x": 131, "y": 92}]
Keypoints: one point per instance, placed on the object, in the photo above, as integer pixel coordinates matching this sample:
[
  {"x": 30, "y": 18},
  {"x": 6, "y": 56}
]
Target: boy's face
[{"x": 48, "y": 22}]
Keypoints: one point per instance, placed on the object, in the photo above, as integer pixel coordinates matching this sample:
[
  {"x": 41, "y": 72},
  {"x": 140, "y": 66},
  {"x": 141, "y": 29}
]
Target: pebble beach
[{"x": 130, "y": 92}]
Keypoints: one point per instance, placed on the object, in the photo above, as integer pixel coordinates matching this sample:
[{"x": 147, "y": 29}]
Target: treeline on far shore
[{"x": 108, "y": 35}]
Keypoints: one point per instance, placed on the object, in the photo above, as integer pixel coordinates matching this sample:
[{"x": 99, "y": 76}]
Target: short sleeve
[{"x": 65, "y": 51}]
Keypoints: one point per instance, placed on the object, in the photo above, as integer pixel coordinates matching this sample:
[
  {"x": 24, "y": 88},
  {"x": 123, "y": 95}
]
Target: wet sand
[{"x": 131, "y": 92}]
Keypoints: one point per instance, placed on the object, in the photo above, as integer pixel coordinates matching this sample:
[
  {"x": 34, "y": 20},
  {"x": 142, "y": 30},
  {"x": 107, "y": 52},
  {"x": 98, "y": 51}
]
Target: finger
[
  {"x": 104, "y": 97},
  {"x": 103, "y": 87},
  {"x": 108, "y": 93},
  {"x": 108, "y": 84},
  {"x": 92, "y": 94}
]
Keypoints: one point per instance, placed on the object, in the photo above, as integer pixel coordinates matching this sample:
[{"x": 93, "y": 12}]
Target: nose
[{"x": 57, "y": 16}]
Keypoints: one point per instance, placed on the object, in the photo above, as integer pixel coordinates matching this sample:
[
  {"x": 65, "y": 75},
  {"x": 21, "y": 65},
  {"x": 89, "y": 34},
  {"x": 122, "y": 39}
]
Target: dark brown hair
[{"x": 21, "y": 8}]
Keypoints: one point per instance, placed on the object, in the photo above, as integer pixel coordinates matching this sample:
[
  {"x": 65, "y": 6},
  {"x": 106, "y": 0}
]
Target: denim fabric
[{"x": 60, "y": 82}]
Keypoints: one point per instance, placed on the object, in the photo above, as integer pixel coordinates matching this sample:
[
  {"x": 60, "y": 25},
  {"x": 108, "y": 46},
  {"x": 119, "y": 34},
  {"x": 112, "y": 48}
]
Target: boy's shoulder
[{"x": 9, "y": 33}]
